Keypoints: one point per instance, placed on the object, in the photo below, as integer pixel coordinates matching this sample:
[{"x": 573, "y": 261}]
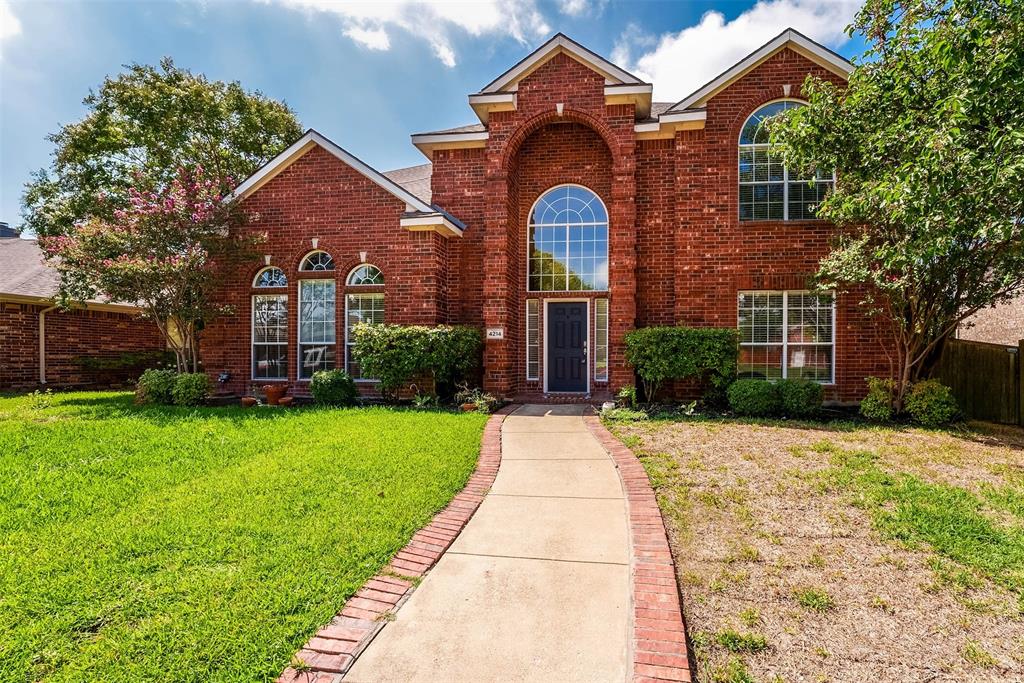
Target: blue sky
[{"x": 366, "y": 75}]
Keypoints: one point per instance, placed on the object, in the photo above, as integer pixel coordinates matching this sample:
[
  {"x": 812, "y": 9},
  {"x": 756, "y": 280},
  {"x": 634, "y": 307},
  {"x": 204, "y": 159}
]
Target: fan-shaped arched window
[
  {"x": 270, "y": 277},
  {"x": 316, "y": 261},
  {"x": 768, "y": 190},
  {"x": 365, "y": 275},
  {"x": 568, "y": 230}
]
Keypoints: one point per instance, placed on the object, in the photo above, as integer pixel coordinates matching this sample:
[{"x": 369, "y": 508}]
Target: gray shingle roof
[
  {"x": 22, "y": 270},
  {"x": 415, "y": 179}
]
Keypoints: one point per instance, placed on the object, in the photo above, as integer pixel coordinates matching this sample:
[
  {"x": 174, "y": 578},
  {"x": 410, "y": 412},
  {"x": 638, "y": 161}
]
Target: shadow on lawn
[{"x": 103, "y": 407}]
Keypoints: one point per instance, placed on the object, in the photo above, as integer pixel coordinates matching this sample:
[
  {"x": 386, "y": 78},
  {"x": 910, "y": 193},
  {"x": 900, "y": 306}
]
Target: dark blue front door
[{"x": 567, "y": 346}]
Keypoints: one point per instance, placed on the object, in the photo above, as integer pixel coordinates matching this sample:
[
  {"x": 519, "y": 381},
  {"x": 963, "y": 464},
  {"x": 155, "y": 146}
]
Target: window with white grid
[
  {"x": 768, "y": 190},
  {"x": 316, "y": 326},
  {"x": 360, "y": 308},
  {"x": 601, "y": 340},
  {"x": 270, "y": 336},
  {"x": 568, "y": 245},
  {"x": 533, "y": 339},
  {"x": 787, "y": 335}
]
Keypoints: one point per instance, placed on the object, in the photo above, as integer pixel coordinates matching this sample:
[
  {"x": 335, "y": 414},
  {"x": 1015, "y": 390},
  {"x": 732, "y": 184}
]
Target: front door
[{"x": 567, "y": 346}]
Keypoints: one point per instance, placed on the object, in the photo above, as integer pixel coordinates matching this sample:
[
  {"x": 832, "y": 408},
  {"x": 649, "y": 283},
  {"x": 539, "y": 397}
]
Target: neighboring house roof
[
  {"x": 25, "y": 275},
  {"x": 1002, "y": 324},
  {"x": 419, "y": 214},
  {"x": 790, "y": 38},
  {"x": 415, "y": 179}
]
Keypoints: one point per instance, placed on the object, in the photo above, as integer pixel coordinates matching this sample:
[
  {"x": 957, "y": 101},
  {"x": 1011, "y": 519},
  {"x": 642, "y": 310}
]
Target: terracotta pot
[
  {"x": 274, "y": 393},
  {"x": 468, "y": 407},
  {"x": 249, "y": 401},
  {"x": 285, "y": 401}
]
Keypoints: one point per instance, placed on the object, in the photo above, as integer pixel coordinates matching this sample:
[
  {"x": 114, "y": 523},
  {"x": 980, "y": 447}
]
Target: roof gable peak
[
  {"x": 789, "y": 38},
  {"x": 559, "y": 44}
]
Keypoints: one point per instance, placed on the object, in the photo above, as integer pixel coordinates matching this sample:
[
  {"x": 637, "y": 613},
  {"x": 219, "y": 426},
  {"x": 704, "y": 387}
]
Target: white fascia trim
[
  {"x": 493, "y": 98},
  {"x": 628, "y": 89},
  {"x": 823, "y": 55},
  {"x": 541, "y": 54},
  {"x": 434, "y": 221},
  {"x": 303, "y": 145},
  {"x": 434, "y": 138},
  {"x": 681, "y": 117}
]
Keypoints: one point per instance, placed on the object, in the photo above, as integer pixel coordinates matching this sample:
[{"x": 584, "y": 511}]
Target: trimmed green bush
[
  {"x": 156, "y": 386},
  {"x": 667, "y": 353},
  {"x": 800, "y": 397},
  {"x": 754, "y": 398},
  {"x": 190, "y": 388},
  {"x": 878, "y": 404},
  {"x": 333, "y": 388},
  {"x": 931, "y": 403},
  {"x": 395, "y": 354}
]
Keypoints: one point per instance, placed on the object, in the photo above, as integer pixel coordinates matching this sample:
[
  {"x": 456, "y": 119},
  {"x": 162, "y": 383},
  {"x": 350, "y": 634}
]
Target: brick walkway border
[
  {"x": 659, "y": 634},
  {"x": 330, "y": 653}
]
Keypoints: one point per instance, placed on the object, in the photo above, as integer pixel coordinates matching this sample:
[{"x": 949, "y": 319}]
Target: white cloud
[
  {"x": 573, "y": 8},
  {"x": 682, "y": 62},
  {"x": 9, "y": 24},
  {"x": 371, "y": 23},
  {"x": 375, "y": 39}
]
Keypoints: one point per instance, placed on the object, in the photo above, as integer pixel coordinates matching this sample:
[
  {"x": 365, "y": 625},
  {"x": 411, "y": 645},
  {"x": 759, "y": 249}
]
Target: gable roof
[
  {"x": 560, "y": 43},
  {"x": 790, "y": 38},
  {"x": 418, "y": 210}
]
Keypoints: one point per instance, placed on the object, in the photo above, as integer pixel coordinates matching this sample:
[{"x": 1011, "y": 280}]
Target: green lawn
[{"x": 143, "y": 544}]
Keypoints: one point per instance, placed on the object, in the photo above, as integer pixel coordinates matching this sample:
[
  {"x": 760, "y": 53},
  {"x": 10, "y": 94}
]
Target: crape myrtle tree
[
  {"x": 141, "y": 127},
  {"x": 168, "y": 252},
  {"x": 928, "y": 143}
]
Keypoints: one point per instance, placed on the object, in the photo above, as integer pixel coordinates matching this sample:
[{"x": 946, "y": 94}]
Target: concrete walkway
[{"x": 537, "y": 586}]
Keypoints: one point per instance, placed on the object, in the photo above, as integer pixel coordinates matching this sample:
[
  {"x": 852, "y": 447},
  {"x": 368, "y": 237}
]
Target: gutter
[{"x": 42, "y": 343}]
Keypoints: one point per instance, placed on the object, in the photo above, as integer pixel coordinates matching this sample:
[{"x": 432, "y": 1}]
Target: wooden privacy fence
[{"x": 985, "y": 378}]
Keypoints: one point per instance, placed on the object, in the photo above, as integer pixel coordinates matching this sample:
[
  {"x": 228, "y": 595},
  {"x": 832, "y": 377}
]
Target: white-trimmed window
[
  {"x": 568, "y": 241},
  {"x": 316, "y": 326},
  {"x": 270, "y": 278},
  {"x": 533, "y": 339},
  {"x": 787, "y": 335},
  {"x": 768, "y": 190},
  {"x": 360, "y": 308},
  {"x": 601, "y": 340},
  {"x": 270, "y": 336},
  {"x": 316, "y": 261}
]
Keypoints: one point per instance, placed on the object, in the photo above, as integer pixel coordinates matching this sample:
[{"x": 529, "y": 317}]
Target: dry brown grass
[{"x": 763, "y": 549}]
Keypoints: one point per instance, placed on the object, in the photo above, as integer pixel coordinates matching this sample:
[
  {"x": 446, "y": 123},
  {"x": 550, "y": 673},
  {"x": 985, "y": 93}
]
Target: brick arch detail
[{"x": 537, "y": 121}]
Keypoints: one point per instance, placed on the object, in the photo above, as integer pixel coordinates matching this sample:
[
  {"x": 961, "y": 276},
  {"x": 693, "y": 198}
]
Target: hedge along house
[{"x": 576, "y": 210}]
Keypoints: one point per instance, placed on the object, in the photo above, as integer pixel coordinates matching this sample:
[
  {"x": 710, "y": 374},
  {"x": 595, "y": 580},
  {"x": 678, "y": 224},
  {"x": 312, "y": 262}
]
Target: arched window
[
  {"x": 270, "y": 277},
  {"x": 317, "y": 260},
  {"x": 365, "y": 275},
  {"x": 568, "y": 229},
  {"x": 768, "y": 190},
  {"x": 361, "y": 307}
]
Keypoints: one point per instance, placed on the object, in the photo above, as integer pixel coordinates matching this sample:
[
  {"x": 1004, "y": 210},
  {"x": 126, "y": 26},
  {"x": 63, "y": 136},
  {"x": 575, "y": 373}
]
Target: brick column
[
  {"x": 497, "y": 378},
  {"x": 622, "y": 260}
]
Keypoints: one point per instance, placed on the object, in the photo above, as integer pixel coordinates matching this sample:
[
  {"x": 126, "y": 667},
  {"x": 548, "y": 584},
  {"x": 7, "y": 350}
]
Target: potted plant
[{"x": 274, "y": 392}]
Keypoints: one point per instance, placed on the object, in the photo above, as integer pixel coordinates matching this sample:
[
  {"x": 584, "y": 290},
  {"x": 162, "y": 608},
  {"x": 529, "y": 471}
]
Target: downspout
[{"x": 42, "y": 343}]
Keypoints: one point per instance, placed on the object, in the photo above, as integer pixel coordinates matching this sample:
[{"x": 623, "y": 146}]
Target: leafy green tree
[
  {"x": 142, "y": 126},
  {"x": 928, "y": 143}
]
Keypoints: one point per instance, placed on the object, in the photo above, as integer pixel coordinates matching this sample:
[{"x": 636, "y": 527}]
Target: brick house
[
  {"x": 96, "y": 344},
  {"x": 576, "y": 210}
]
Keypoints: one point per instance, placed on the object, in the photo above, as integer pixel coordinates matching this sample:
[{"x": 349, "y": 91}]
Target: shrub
[
  {"x": 333, "y": 388},
  {"x": 878, "y": 404},
  {"x": 931, "y": 403},
  {"x": 754, "y": 397},
  {"x": 667, "y": 353},
  {"x": 395, "y": 354},
  {"x": 190, "y": 388},
  {"x": 484, "y": 402},
  {"x": 156, "y": 386},
  {"x": 799, "y": 397},
  {"x": 626, "y": 396},
  {"x": 624, "y": 415}
]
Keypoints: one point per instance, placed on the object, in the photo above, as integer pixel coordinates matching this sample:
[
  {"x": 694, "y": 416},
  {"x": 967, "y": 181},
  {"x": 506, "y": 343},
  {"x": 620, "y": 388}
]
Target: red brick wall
[
  {"x": 71, "y": 337},
  {"x": 320, "y": 197}
]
